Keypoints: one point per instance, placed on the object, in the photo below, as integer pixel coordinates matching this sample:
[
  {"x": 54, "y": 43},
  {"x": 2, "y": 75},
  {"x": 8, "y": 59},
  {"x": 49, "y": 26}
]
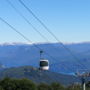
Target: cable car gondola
[{"x": 44, "y": 64}]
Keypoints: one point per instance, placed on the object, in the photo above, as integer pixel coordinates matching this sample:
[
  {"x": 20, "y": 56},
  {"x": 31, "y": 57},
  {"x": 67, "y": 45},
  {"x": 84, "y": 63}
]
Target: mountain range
[{"x": 61, "y": 59}]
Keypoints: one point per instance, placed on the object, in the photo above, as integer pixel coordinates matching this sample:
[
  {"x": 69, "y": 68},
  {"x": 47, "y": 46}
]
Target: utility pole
[
  {"x": 83, "y": 77},
  {"x": 83, "y": 83}
]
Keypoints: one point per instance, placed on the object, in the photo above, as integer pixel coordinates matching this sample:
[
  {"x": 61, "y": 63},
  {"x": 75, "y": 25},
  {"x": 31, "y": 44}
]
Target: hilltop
[{"x": 38, "y": 76}]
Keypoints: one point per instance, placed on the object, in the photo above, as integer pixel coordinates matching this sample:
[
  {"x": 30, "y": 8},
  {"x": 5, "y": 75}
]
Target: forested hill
[{"x": 38, "y": 76}]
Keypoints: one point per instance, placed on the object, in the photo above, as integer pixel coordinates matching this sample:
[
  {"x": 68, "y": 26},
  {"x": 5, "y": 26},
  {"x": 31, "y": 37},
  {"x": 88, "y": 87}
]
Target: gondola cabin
[{"x": 44, "y": 64}]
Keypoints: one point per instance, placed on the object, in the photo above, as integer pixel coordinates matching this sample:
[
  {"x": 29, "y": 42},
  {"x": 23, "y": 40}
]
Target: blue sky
[{"x": 69, "y": 20}]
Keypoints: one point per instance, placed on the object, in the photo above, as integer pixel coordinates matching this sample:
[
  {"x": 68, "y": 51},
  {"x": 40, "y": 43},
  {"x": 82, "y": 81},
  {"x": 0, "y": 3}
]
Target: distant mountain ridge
[{"x": 19, "y": 54}]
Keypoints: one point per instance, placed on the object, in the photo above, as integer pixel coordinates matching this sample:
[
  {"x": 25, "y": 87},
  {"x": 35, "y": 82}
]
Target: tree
[
  {"x": 17, "y": 84},
  {"x": 1, "y": 88},
  {"x": 88, "y": 85},
  {"x": 44, "y": 86},
  {"x": 25, "y": 84},
  {"x": 57, "y": 86},
  {"x": 74, "y": 87},
  {"x": 7, "y": 84}
]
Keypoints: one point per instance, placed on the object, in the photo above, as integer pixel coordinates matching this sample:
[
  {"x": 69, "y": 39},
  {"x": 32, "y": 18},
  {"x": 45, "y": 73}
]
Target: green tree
[
  {"x": 1, "y": 88},
  {"x": 7, "y": 84},
  {"x": 17, "y": 84},
  {"x": 57, "y": 86},
  {"x": 25, "y": 84},
  {"x": 88, "y": 85},
  {"x": 74, "y": 87},
  {"x": 44, "y": 86}
]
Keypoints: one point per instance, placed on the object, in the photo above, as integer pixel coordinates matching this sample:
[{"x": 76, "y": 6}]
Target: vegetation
[
  {"x": 26, "y": 84},
  {"x": 37, "y": 75}
]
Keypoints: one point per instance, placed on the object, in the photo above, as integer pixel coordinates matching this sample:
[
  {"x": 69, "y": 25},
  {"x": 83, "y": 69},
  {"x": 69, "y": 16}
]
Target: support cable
[
  {"x": 17, "y": 11},
  {"x": 27, "y": 20},
  {"x": 14, "y": 29},
  {"x": 46, "y": 28}
]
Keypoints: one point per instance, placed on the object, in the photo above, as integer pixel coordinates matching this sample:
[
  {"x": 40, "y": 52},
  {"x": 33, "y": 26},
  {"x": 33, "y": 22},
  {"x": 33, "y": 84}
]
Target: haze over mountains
[{"x": 13, "y": 55}]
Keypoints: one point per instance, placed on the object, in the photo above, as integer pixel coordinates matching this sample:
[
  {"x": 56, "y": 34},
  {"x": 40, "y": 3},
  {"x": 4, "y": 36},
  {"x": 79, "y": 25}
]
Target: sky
[{"x": 69, "y": 20}]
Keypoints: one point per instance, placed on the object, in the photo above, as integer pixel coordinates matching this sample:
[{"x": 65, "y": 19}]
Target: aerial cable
[
  {"x": 19, "y": 33},
  {"x": 27, "y": 20},
  {"x": 14, "y": 29},
  {"x": 24, "y": 36},
  {"x": 28, "y": 23},
  {"x": 46, "y": 28}
]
